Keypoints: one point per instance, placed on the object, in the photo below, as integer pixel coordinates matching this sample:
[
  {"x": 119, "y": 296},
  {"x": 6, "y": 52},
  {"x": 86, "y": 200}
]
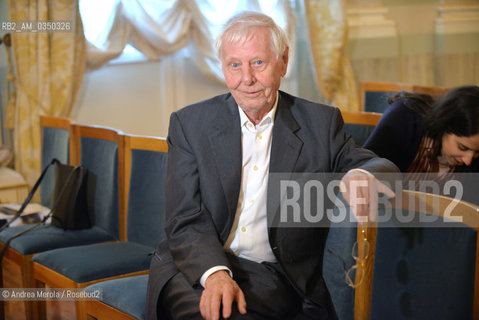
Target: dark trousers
[{"x": 268, "y": 293}]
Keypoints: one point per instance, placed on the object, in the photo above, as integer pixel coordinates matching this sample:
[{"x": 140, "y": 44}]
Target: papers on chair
[{"x": 34, "y": 212}]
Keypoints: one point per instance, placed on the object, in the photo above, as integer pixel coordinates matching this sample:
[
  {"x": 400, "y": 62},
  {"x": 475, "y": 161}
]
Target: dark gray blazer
[{"x": 203, "y": 184}]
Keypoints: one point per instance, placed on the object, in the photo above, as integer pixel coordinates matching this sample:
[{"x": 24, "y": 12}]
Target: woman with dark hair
[{"x": 419, "y": 134}]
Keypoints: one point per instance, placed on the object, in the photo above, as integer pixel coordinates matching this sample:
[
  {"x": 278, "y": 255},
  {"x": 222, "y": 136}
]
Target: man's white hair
[{"x": 241, "y": 26}]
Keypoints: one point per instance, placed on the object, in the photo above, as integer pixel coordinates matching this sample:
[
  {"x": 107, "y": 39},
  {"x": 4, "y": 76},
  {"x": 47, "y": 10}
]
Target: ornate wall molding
[
  {"x": 457, "y": 18},
  {"x": 370, "y": 22}
]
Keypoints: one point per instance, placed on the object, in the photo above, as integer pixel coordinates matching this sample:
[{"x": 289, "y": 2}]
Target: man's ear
[{"x": 285, "y": 59}]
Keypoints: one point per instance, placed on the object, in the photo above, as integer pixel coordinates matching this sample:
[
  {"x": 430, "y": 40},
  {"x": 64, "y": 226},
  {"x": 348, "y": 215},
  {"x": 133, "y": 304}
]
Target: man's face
[{"x": 252, "y": 71}]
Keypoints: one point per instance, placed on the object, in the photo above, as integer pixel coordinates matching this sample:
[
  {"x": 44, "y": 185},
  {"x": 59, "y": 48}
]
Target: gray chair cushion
[
  {"x": 49, "y": 237},
  {"x": 126, "y": 294},
  {"x": 97, "y": 261}
]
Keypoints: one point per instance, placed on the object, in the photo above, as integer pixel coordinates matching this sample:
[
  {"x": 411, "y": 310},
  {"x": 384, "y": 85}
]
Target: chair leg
[
  {"x": 39, "y": 306},
  {"x": 26, "y": 271},
  {"x": 80, "y": 310}
]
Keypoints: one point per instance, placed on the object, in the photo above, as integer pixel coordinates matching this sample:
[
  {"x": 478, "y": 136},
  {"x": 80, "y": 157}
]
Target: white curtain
[{"x": 162, "y": 27}]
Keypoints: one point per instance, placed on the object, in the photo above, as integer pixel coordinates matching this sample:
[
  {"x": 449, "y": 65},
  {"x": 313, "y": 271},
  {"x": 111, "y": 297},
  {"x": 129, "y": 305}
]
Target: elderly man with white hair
[{"x": 221, "y": 258}]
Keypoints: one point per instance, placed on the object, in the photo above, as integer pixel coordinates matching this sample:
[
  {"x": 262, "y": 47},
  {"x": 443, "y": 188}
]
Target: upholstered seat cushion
[
  {"x": 98, "y": 261},
  {"x": 48, "y": 237},
  {"x": 126, "y": 294}
]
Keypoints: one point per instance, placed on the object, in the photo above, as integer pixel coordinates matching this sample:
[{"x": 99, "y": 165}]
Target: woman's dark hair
[
  {"x": 417, "y": 102},
  {"x": 456, "y": 112}
]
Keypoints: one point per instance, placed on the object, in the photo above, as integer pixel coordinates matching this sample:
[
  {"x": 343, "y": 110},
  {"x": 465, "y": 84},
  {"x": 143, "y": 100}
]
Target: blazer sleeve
[{"x": 192, "y": 238}]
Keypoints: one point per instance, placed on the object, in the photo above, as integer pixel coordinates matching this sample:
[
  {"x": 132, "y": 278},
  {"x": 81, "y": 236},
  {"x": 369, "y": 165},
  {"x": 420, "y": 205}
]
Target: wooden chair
[
  {"x": 360, "y": 124},
  {"x": 101, "y": 151},
  {"x": 125, "y": 298},
  {"x": 435, "y": 92},
  {"x": 392, "y": 249},
  {"x": 366, "y": 118},
  {"x": 55, "y": 136},
  {"x": 145, "y": 160}
]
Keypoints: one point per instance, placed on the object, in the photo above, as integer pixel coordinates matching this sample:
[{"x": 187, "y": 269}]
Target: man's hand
[
  {"x": 221, "y": 289},
  {"x": 360, "y": 189}
]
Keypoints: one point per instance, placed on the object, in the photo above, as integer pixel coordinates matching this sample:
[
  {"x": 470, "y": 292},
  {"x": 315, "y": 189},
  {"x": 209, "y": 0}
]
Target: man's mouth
[{"x": 253, "y": 93}]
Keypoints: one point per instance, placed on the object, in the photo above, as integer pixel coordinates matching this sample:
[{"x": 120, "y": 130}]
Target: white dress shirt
[{"x": 249, "y": 235}]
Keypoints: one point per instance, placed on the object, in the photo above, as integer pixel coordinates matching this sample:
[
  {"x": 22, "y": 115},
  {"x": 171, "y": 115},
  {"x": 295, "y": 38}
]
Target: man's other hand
[
  {"x": 360, "y": 189},
  {"x": 221, "y": 290}
]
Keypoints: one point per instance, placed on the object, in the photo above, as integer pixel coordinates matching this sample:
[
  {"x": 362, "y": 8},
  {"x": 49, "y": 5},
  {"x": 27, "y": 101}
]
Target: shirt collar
[{"x": 268, "y": 118}]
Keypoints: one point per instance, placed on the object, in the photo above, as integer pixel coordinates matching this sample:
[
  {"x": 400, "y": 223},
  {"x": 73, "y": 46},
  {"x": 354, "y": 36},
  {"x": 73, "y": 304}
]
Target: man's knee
[{"x": 179, "y": 300}]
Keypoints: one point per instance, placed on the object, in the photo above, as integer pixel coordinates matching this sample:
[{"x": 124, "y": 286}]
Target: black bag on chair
[{"x": 69, "y": 210}]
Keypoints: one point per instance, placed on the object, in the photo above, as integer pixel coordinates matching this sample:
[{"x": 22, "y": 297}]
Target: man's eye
[
  {"x": 234, "y": 65},
  {"x": 259, "y": 62}
]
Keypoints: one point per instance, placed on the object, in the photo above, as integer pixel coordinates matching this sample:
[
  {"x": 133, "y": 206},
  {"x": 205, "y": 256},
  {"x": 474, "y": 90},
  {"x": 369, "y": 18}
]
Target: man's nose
[{"x": 247, "y": 75}]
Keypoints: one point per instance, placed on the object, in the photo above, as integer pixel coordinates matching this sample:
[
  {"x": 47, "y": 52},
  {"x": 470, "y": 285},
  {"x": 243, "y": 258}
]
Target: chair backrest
[
  {"x": 145, "y": 174},
  {"x": 374, "y": 95},
  {"x": 100, "y": 150},
  {"x": 360, "y": 124},
  {"x": 432, "y": 91},
  {"x": 429, "y": 272},
  {"x": 55, "y": 137}
]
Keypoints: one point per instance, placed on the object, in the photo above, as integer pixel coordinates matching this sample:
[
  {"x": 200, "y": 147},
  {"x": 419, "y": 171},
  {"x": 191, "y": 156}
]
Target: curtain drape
[
  {"x": 328, "y": 37},
  {"x": 162, "y": 27},
  {"x": 48, "y": 71}
]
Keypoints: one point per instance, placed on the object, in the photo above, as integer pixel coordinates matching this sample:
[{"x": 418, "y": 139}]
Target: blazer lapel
[
  {"x": 285, "y": 150},
  {"x": 286, "y": 145},
  {"x": 225, "y": 141}
]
